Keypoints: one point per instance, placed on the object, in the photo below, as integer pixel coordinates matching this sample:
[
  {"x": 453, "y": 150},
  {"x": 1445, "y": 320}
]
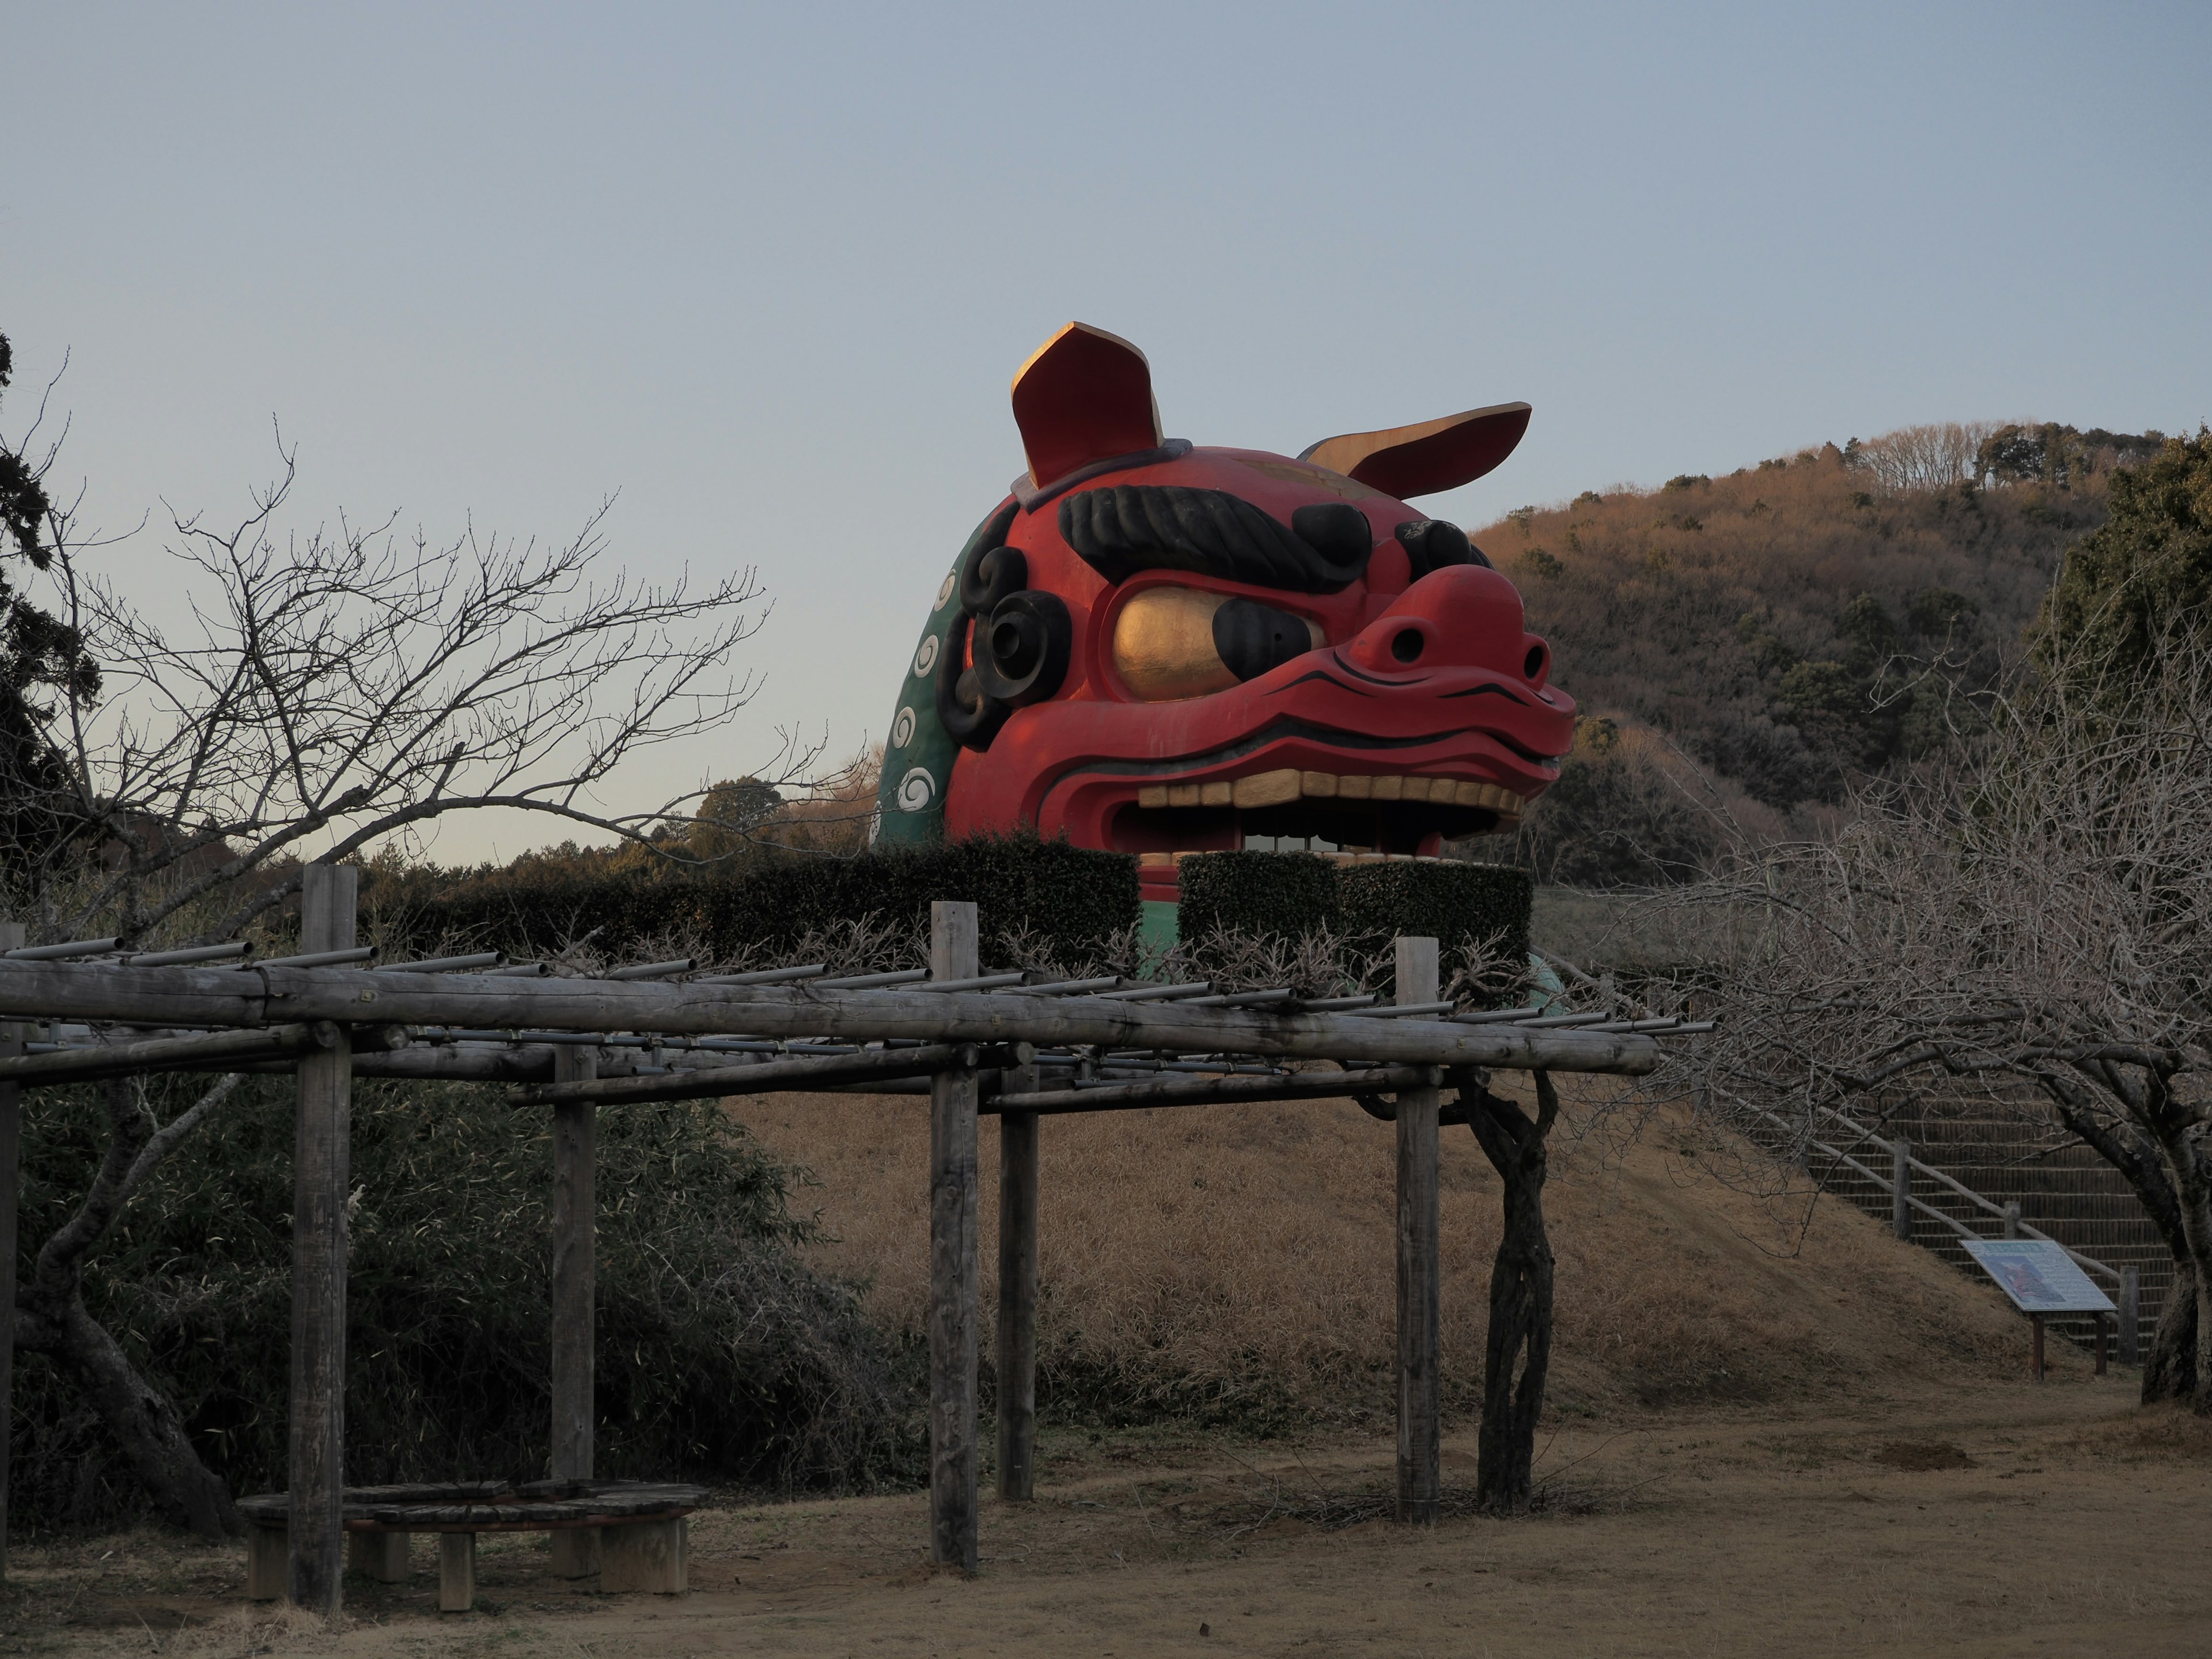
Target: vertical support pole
[
  {"x": 575, "y": 1168},
  {"x": 11, "y": 1181},
  {"x": 2037, "y": 1319},
  {"x": 2130, "y": 1319},
  {"x": 1900, "y": 1188},
  {"x": 2100, "y": 1344},
  {"x": 1420, "y": 1269},
  {"x": 1017, "y": 1295},
  {"x": 321, "y": 1176},
  {"x": 953, "y": 1290},
  {"x": 2012, "y": 1219}
]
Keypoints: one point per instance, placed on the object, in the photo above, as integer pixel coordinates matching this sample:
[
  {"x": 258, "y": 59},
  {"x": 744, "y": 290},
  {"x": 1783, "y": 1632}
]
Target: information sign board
[{"x": 2039, "y": 1276}]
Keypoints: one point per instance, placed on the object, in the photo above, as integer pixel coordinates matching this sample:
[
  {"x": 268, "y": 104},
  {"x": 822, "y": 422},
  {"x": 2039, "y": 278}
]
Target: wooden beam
[
  {"x": 1186, "y": 1091},
  {"x": 711, "y": 1081},
  {"x": 1017, "y": 1294},
  {"x": 200, "y": 996},
  {"x": 213, "y": 1051},
  {"x": 11, "y": 1182},
  {"x": 953, "y": 1291},
  {"x": 575, "y": 1216},
  {"x": 321, "y": 1172},
  {"x": 1420, "y": 1268}
]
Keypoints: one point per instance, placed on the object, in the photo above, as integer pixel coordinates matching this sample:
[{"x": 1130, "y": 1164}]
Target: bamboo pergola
[{"x": 979, "y": 1044}]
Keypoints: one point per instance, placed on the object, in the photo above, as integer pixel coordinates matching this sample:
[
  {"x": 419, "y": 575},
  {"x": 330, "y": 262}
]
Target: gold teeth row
[{"x": 1281, "y": 788}]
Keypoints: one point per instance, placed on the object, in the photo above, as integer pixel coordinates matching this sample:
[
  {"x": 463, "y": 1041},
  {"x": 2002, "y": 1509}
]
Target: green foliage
[
  {"x": 2145, "y": 573},
  {"x": 1540, "y": 564},
  {"x": 1615, "y": 818},
  {"x": 1267, "y": 895},
  {"x": 1473, "y": 910},
  {"x": 721, "y": 1357},
  {"x": 1477, "y": 913},
  {"x": 1072, "y": 899}
]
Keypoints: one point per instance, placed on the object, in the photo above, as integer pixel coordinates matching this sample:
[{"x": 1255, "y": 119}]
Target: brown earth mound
[{"x": 1236, "y": 1262}]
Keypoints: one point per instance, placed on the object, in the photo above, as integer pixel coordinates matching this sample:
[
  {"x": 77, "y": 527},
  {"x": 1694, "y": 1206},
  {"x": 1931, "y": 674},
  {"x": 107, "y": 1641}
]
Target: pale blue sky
[{"x": 766, "y": 270}]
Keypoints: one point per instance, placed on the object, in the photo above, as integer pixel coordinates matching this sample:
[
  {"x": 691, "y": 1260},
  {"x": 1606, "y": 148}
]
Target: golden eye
[{"x": 1176, "y": 643}]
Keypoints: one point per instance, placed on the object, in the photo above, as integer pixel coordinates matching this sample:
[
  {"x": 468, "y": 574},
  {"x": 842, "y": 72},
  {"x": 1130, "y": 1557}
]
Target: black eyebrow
[{"x": 1127, "y": 528}]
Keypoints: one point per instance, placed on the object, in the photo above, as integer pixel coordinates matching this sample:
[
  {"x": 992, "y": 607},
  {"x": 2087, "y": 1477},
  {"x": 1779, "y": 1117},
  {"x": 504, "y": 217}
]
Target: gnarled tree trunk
[
  {"x": 1518, "y": 1354},
  {"x": 51, "y": 1318}
]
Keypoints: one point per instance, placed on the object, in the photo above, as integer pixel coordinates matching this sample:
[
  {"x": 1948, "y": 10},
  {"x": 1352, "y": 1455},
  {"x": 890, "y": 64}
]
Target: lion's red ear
[
  {"x": 1085, "y": 395},
  {"x": 1406, "y": 461}
]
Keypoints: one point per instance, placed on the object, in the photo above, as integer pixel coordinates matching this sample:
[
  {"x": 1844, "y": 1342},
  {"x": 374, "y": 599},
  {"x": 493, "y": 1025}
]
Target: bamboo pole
[
  {"x": 1421, "y": 1266},
  {"x": 11, "y": 1178},
  {"x": 201, "y": 996},
  {"x": 575, "y": 1159},
  {"x": 320, "y": 1173},
  {"x": 952, "y": 1274},
  {"x": 1017, "y": 1294}
]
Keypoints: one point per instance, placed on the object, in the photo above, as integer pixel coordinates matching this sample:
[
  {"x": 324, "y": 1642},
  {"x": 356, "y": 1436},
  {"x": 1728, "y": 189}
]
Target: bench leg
[
  {"x": 457, "y": 1571},
  {"x": 645, "y": 1555},
  {"x": 381, "y": 1555},
  {"x": 576, "y": 1553},
  {"x": 268, "y": 1563}
]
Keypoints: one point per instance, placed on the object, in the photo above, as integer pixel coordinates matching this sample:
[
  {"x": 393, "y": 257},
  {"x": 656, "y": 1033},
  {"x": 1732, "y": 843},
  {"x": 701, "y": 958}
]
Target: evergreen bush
[{"x": 722, "y": 1357}]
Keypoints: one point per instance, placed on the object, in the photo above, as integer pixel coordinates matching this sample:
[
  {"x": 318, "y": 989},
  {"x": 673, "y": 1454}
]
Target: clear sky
[{"x": 766, "y": 270}]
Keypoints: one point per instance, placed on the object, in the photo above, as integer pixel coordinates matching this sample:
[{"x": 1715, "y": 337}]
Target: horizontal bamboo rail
[
  {"x": 255, "y": 997},
  {"x": 711, "y": 1082},
  {"x": 208, "y": 1051}
]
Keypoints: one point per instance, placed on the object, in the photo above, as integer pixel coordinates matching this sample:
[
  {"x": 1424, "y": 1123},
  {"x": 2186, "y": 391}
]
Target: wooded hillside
[{"x": 1785, "y": 625}]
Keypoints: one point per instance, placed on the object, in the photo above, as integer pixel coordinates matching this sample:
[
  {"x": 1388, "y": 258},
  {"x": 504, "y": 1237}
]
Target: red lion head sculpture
[{"x": 1162, "y": 649}]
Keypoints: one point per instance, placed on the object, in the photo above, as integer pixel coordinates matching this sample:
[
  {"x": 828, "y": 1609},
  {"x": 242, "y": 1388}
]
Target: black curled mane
[{"x": 1127, "y": 528}]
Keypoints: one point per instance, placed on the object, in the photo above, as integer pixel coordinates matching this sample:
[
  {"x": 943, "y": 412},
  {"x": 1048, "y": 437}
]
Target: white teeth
[{"x": 1280, "y": 788}]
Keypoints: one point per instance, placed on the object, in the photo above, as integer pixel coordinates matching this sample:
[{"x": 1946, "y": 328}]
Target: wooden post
[
  {"x": 953, "y": 1291},
  {"x": 2012, "y": 1219},
  {"x": 1017, "y": 1295},
  {"x": 1900, "y": 1188},
  {"x": 2130, "y": 1320},
  {"x": 11, "y": 1181},
  {"x": 575, "y": 1160},
  {"x": 2037, "y": 1320},
  {"x": 321, "y": 1173},
  {"x": 457, "y": 1571},
  {"x": 1420, "y": 1269},
  {"x": 2100, "y": 1344}
]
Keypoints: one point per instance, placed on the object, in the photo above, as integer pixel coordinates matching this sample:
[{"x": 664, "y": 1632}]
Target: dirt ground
[{"x": 2003, "y": 1518}]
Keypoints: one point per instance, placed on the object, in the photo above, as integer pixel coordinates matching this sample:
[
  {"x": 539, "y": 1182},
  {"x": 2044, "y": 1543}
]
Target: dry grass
[{"x": 1235, "y": 1263}]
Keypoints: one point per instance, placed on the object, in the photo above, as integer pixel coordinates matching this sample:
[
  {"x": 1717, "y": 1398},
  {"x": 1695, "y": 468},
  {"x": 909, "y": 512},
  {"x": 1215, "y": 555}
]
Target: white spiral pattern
[
  {"x": 925, "y": 659},
  {"x": 903, "y": 729},
  {"x": 946, "y": 592},
  {"x": 916, "y": 790}
]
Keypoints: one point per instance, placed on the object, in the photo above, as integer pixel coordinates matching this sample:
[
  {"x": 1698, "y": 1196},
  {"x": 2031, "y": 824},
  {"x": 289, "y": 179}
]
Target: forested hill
[{"x": 1750, "y": 617}]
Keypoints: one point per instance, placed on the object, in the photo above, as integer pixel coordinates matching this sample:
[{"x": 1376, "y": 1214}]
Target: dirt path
[{"x": 2006, "y": 1520}]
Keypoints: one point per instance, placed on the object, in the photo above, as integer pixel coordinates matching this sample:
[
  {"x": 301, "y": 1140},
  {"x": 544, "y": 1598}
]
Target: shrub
[
  {"x": 1281, "y": 895},
  {"x": 1075, "y": 898},
  {"x": 1477, "y": 913},
  {"x": 722, "y": 1356}
]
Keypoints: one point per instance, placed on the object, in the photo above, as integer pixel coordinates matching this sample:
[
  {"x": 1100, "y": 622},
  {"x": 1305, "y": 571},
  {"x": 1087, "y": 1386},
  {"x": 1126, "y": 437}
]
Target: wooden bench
[{"x": 639, "y": 1526}]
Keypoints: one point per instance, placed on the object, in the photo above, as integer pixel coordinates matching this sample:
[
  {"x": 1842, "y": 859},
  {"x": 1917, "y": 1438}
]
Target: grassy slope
[{"x": 1236, "y": 1262}]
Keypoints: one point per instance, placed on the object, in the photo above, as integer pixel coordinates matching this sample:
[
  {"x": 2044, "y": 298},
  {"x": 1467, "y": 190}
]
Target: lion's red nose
[{"x": 1465, "y": 616}]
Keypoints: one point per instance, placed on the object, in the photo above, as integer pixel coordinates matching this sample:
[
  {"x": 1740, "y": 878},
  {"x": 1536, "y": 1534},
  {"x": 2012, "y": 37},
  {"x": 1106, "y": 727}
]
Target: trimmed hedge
[
  {"x": 1453, "y": 901},
  {"x": 1284, "y": 893},
  {"x": 1075, "y": 898},
  {"x": 1292, "y": 894}
]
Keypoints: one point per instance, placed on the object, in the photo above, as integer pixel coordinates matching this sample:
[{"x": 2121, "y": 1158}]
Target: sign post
[{"x": 2041, "y": 1279}]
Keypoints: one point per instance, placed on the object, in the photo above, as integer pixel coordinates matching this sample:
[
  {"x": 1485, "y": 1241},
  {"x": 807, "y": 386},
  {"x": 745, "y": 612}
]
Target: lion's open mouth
[{"x": 1290, "y": 808}]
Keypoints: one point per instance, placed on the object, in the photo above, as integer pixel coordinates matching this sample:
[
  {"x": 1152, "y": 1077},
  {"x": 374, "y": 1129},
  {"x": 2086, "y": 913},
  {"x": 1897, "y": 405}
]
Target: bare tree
[
  {"x": 1933, "y": 457},
  {"x": 2022, "y": 924},
  {"x": 319, "y": 694}
]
